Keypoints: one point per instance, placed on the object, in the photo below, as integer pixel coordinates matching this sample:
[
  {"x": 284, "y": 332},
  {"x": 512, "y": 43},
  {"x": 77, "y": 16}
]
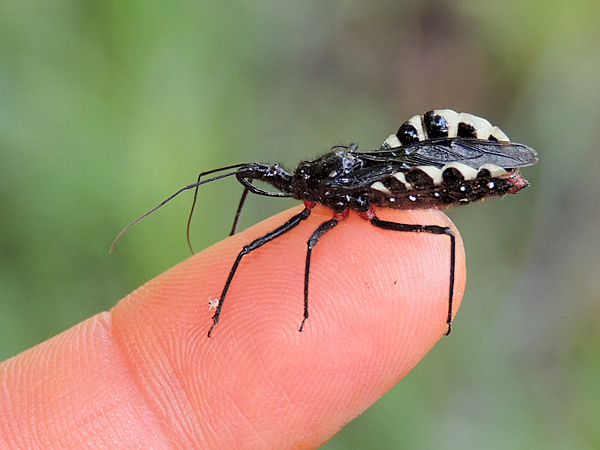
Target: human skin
[{"x": 145, "y": 374}]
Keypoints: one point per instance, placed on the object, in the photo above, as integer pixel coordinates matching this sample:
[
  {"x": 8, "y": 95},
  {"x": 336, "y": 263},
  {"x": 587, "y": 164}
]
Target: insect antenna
[
  {"x": 191, "y": 186},
  {"x": 252, "y": 170}
]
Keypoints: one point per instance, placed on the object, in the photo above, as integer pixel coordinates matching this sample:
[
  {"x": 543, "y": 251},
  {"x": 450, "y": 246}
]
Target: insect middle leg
[
  {"x": 319, "y": 232},
  {"x": 433, "y": 229},
  {"x": 259, "y": 242}
]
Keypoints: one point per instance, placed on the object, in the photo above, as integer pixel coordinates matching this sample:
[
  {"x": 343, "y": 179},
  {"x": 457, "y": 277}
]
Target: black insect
[{"x": 435, "y": 160}]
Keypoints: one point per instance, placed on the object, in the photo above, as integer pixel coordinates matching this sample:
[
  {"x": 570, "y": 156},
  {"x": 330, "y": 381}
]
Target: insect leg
[
  {"x": 191, "y": 214},
  {"x": 259, "y": 242},
  {"x": 197, "y": 185},
  {"x": 433, "y": 229},
  {"x": 185, "y": 188},
  {"x": 319, "y": 232},
  {"x": 236, "y": 219}
]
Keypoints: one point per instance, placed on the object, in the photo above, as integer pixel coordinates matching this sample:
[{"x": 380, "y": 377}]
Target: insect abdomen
[{"x": 452, "y": 185}]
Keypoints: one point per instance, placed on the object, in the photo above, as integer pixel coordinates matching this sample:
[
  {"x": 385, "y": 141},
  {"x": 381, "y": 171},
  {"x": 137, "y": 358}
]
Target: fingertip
[{"x": 378, "y": 301}]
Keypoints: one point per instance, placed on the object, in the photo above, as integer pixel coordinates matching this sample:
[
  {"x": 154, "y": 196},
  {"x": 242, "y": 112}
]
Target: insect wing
[
  {"x": 371, "y": 172},
  {"x": 470, "y": 152}
]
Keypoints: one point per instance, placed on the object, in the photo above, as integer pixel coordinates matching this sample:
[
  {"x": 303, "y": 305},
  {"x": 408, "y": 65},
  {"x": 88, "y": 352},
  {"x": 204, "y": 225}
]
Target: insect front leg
[
  {"x": 259, "y": 242},
  {"x": 433, "y": 229},
  {"x": 238, "y": 213},
  {"x": 197, "y": 185}
]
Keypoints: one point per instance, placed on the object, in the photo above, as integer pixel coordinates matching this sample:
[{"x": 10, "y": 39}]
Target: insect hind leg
[{"x": 432, "y": 229}]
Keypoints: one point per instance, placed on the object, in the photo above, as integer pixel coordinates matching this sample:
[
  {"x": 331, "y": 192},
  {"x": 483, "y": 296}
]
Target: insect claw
[
  {"x": 302, "y": 324},
  {"x": 212, "y": 326}
]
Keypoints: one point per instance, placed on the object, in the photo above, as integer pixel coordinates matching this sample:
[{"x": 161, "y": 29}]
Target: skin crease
[{"x": 144, "y": 375}]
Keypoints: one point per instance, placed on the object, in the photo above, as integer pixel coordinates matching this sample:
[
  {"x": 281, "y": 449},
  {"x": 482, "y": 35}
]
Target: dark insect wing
[
  {"x": 470, "y": 152},
  {"x": 371, "y": 172}
]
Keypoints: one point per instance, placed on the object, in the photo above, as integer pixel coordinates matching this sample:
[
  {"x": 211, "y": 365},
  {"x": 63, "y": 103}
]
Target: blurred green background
[{"x": 106, "y": 107}]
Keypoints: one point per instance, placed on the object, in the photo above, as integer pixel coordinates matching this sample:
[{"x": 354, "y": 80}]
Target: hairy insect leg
[
  {"x": 433, "y": 229},
  {"x": 259, "y": 242},
  {"x": 319, "y": 232}
]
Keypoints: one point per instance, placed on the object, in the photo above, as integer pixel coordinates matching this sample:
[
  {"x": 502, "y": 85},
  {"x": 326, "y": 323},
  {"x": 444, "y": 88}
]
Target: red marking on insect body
[
  {"x": 341, "y": 215},
  {"x": 517, "y": 181},
  {"x": 368, "y": 215}
]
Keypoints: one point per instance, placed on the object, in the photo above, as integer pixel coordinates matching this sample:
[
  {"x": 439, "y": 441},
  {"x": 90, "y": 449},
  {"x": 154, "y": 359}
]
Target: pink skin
[{"x": 144, "y": 375}]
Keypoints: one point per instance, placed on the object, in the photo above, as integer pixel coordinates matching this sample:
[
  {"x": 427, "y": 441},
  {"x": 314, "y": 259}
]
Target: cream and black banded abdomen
[
  {"x": 443, "y": 136},
  {"x": 451, "y": 185},
  {"x": 444, "y": 123},
  {"x": 438, "y": 159},
  {"x": 445, "y": 158}
]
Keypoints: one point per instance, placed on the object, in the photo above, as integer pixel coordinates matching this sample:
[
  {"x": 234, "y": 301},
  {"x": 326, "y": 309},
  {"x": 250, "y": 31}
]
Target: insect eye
[
  {"x": 466, "y": 131},
  {"x": 407, "y": 134},
  {"x": 436, "y": 125}
]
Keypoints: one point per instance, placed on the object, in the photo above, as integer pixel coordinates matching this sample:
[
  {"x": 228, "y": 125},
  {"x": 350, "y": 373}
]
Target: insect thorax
[{"x": 331, "y": 180}]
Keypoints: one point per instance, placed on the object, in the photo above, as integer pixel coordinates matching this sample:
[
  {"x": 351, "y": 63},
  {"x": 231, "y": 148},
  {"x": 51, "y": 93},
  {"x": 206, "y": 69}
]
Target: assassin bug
[{"x": 436, "y": 160}]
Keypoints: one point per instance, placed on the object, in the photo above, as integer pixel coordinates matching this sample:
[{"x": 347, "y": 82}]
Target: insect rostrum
[{"x": 436, "y": 160}]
